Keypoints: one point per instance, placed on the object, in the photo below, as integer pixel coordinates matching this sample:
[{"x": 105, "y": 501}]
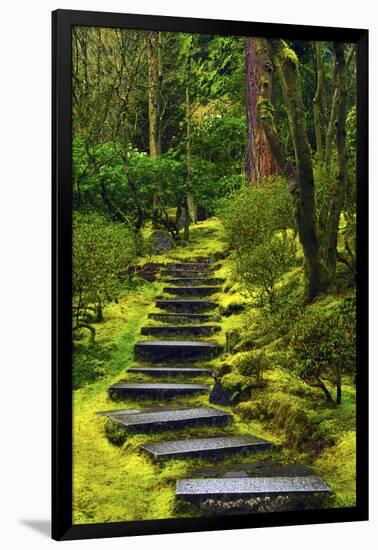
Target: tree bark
[
  {"x": 153, "y": 111},
  {"x": 260, "y": 158},
  {"x": 89, "y": 327},
  {"x": 301, "y": 178},
  {"x": 324, "y": 388},
  {"x": 316, "y": 101},
  {"x": 188, "y": 152},
  {"x": 338, "y": 191},
  {"x": 334, "y": 109}
]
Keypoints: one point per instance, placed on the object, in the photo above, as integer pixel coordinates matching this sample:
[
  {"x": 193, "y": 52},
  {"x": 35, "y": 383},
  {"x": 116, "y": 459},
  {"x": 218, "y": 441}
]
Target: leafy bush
[
  {"x": 259, "y": 268},
  {"x": 258, "y": 224},
  {"x": 252, "y": 215},
  {"x": 102, "y": 253},
  {"x": 252, "y": 364},
  {"x": 324, "y": 342}
]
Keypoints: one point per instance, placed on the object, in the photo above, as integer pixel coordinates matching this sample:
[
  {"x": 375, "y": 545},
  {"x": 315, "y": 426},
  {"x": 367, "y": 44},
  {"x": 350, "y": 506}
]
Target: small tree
[
  {"x": 261, "y": 267},
  {"x": 102, "y": 253},
  {"x": 325, "y": 346}
]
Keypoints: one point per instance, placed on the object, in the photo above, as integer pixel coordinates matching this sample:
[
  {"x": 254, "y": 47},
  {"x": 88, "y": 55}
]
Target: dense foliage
[
  {"x": 238, "y": 150},
  {"x": 259, "y": 223},
  {"x": 102, "y": 255}
]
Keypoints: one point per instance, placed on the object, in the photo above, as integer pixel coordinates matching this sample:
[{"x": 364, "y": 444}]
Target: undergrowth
[{"x": 115, "y": 481}]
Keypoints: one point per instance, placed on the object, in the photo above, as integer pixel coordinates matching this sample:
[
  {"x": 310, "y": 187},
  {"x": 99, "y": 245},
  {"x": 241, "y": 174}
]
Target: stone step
[
  {"x": 173, "y": 350},
  {"x": 184, "y": 317},
  {"x": 172, "y": 419},
  {"x": 170, "y": 371},
  {"x": 249, "y": 487},
  {"x": 191, "y": 290},
  {"x": 211, "y": 447},
  {"x": 181, "y": 330},
  {"x": 185, "y": 305},
  {"x": 198, "y": 281},
  {"x": 156, "y": 391},
  {"x": 188, "y": 265},
  {"x": 184, "y": 273}
]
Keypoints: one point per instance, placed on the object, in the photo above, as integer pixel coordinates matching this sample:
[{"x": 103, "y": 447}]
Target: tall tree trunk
[
  {"x": 301, "y": 178},
  {"x": 188, "y": 130},
  {"x": 338, "y": 191},
  {"x": 260, "y": 158},
  {"x": 330, "y": 134},
  {"x": 316, "y": 101},
  {"x": 153, "y": 111}
]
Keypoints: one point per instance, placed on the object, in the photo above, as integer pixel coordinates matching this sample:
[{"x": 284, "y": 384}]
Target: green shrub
[
  {"x": 324, "y": 342},
  {"x": 103, "y": 251},
  {"x": 258, "y": 223},
  {"x": 252, "y": 364},
  {"x": 253, "y": 214},
  {"x": 260, "y": 267},
  {"x": 114, "y": 433}
]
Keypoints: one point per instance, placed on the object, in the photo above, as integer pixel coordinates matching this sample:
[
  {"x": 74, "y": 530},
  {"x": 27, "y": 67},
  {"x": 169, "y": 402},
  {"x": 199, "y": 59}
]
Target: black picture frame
[{"x": 62, "y": 525}]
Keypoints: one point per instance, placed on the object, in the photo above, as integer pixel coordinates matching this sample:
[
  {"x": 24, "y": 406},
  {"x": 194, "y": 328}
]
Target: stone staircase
[{"x": 188, "y": 321}]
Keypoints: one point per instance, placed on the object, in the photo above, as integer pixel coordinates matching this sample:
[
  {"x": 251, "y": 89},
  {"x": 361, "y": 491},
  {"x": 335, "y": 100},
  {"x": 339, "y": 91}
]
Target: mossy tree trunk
[
  {"x": 338, "y": 191},
  {"x": 316, "y": 101},
  {"x": 330, "y": 133},
  {"x": 260, "y": 158},
  {"x": 188, "y": 193},
  {"x": 301, "y": 177},
  {"x": 154, "y": 112}
]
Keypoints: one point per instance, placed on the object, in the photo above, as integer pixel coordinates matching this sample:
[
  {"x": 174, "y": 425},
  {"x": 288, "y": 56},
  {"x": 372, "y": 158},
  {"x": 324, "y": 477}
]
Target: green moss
[
  {"x": 115, "y": 433},
  {"x": 252, "y": 410},
  {"x": 265, "y": 109},
  {"x": 206, "y": 240},
  {"x": 229, "y": 304},
  {"x": 234, "y": 381},
  {"x": 289, "y": 55},
  {"x": 341, "y": 473}
]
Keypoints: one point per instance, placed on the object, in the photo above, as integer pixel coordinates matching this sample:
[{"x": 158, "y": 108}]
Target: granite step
[
  {"x": 166, "y": 419},
  {"x": 173, "y": 350},
  {"x": 181, "y": 330},
  {"x": 249, "y": 487},
  {"x": 197, "y": 281},
  {"x": 185, "y": 305},
  {"x": 170, "y": 371},
  {"x": 184, "y": 273},
  {"x": 184, "y": 317},
  {"x": 210, "y": 448},
  {"x": 155, "y": 391},
  {"x": 188, "y": 265},
  {"x": 191, "y": 290}
]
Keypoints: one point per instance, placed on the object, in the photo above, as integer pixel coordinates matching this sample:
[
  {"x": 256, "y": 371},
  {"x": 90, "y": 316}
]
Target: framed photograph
[{"x": 210, "y": 238}]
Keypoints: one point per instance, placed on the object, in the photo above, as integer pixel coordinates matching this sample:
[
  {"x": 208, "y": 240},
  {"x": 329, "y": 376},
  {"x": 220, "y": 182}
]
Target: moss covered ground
[{"x": 115, "y": 481}]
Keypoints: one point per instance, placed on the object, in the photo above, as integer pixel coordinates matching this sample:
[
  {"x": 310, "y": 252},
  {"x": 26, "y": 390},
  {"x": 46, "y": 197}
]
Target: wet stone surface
[
  {"x": 180, "y": 330},
  {"x": 212, "y": 447},
  {"x": 194, "y": 489},
  {"x": 170, "y": 371},
  {"x": 192, "y": 290},
  {"x": 183, "y": 317},
  {"x": 173, "y": 350},
  {"x": 186, "y": 305},
  {"x": 157, "y": 390},
  {"x": 165, "y": 419},
  {"x": 258, "y": 469}
]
